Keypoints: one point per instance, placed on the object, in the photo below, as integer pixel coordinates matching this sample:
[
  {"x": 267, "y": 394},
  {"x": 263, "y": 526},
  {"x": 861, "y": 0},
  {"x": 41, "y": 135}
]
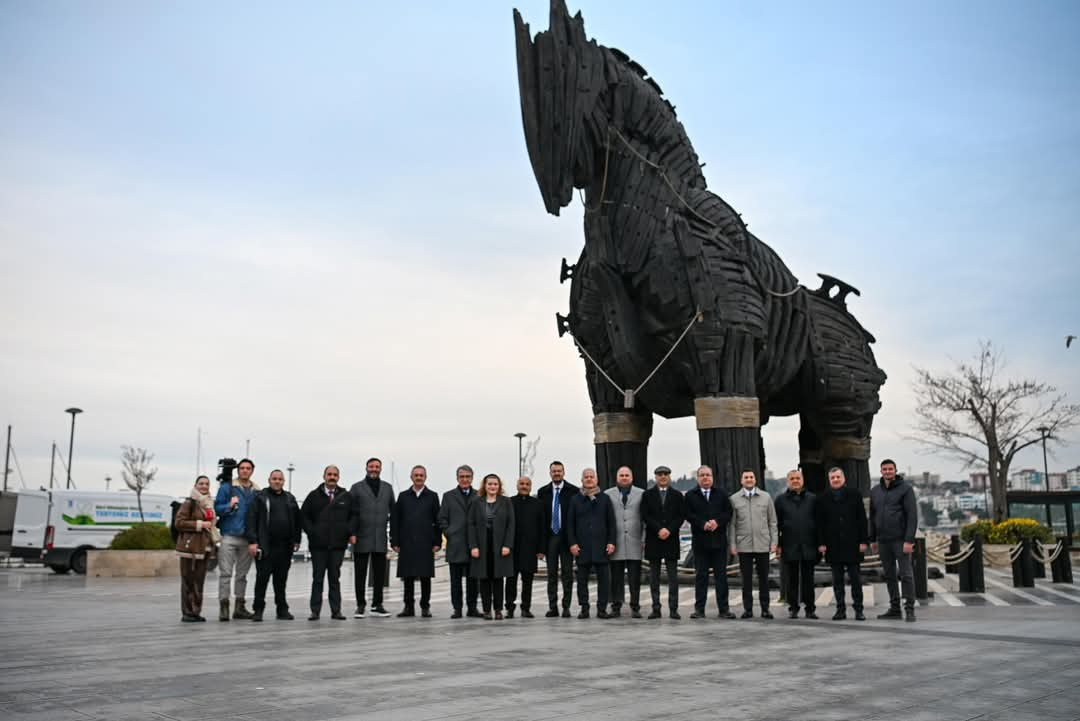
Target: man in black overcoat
[
  {"x": 663, "y": 512},
  {"x": 797, "y": 543},
  {"x": 842, "y": 536},
  {"x": 530, "y": 542},
  {"x": 590, "y": 527},
  {"x": 415, "y": 536}
]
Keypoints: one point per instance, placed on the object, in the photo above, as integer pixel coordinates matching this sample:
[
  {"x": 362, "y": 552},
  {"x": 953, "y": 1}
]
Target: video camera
[{"x": 226, "y": 466}]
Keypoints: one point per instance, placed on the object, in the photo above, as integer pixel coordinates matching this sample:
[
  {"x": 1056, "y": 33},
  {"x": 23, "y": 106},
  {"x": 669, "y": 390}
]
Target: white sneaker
[{"x": 359, "y": 613}]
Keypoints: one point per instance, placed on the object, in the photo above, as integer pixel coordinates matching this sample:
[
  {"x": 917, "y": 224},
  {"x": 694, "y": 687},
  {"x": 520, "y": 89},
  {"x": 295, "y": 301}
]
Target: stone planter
[{"x": 132, "y": 564}]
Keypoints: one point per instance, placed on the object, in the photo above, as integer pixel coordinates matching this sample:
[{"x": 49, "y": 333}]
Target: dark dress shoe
[
  {"x": 552, "y": 613},
  {"x": 313, "y": 617},
  {"x": 338, "y": 616},
  {"x": 406, "y": 613},
  {"x": 793, "y": 613},
  {"x": 839, "y": 615},
  {"x": 766, "y": 614},
  {"x": 655, "y": 614},
  {"x": 425, "y": 613},
  {"x": 566, "y": 612},
  {"x": 584, "y": 613},
  {"x": 860, "y": 616},
  {"x": 811, "y": 615},
  {"x": 698, "y": 614},
  {"x": 726, "y": 613},
  {"x": 473, "y": 613},
  {"x": 257, "y": 616},
  {"x": 285, "y": 616},
  {"x": 526, "y": 613},
  {"x": 509, "y": 613},
  {"x": 635, "y": 613},
  {"x": 498, "y": 616},
  {"x": 747, "y": 614},
  {"x": 604, "y": 614},
  {"x": 892, "y": 614},
  {"x": 201, "y": 619},
  {"x": 616, "y": 612},
  {"x": 189, "y": 619},
  {"x": 455, "y": 614},
  {"x": 674, "y": 615},
  {"x": 909, "y": 615},
  {"x": 486, "y": 615}
]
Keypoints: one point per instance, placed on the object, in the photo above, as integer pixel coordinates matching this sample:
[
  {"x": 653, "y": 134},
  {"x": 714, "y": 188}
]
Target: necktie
[
  {"x": 663, "y": 496},
  {"x": 706, "y": 495},
  {"x": 555, "y": 520}
]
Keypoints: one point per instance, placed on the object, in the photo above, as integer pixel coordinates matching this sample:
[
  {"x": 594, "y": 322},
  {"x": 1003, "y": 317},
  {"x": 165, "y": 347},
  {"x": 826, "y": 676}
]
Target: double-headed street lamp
[
  {"x": 1045, "y": 433},
  {"x": 71, "y": 444},
  {"x": 290, "y": 469}
]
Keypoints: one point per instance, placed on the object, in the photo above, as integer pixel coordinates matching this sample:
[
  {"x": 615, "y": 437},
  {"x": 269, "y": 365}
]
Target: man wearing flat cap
[{"x": 663, "y": 512}]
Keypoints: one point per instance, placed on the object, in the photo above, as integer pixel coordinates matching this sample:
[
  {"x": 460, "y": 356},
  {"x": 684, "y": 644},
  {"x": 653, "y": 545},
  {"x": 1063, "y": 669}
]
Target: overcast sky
[{"x": 314, "y": 226}]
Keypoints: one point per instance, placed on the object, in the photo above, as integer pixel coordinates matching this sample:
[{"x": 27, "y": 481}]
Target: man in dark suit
[
  {"x": 663, "y": 512},
  {"x": 840, "y": 517},
  {"x": 453, "y": 520},
  {"x": 709, "y": 511},
  {"x": 555, "y": 499},
  {"x": 529, "y": 545},
  {"x": 415, "y": 537},
  {"x": 591, "y": 532}
]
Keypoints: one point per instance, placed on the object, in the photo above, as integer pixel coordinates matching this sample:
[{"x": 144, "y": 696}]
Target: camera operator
[{"x": 234, "y": 560}]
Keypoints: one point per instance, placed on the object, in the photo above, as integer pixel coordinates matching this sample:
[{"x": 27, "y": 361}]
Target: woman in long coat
[
  {"x": 491, "y": 526},
  {"x": 195, "y": 543}
]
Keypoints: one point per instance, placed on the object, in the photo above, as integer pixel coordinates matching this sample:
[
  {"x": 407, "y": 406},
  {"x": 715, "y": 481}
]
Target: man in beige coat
[{"x": 753, "y": 536}]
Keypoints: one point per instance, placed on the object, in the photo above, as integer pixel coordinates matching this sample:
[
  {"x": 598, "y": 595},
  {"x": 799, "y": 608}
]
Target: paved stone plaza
[{"x": 77, "y": 648}]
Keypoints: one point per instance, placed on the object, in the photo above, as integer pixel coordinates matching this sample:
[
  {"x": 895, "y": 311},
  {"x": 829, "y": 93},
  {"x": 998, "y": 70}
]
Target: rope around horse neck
[
  {"x": 664, "y": 176},
  {"x": 630, "y": 394}
]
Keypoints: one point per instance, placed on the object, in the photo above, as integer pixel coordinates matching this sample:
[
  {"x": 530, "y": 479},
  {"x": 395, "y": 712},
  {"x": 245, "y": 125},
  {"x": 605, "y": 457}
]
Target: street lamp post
[
  {"x": 1045, "y": 433},
  {"x": 521, "y": 458},
  {"x": 71, "y": 444},
  {"x": 290, "y": 469},
  {"x": 108, "y": 480}
]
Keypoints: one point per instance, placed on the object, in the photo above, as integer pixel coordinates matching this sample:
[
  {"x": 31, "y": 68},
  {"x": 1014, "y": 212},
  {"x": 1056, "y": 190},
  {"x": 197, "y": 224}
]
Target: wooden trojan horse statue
[{"x": 676, "y": 308}]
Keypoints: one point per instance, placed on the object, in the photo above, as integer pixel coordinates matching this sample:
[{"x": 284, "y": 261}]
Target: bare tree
[
  {"x": 529, "y": 457},
  {"x": 137, "y": 472},
  {"x": 972, "y": 414}
]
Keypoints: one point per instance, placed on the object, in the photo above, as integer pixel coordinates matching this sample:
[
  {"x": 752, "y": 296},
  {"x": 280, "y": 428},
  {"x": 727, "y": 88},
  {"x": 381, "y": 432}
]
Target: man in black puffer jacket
[
  {"x": 273, "y": 532},
  {"x": 893, "y": 521}
]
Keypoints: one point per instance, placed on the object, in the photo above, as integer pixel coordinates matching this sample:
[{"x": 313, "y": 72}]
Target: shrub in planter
[
  {"x": 1009, "y": 531},
  {"x": 143, "y": 537}
]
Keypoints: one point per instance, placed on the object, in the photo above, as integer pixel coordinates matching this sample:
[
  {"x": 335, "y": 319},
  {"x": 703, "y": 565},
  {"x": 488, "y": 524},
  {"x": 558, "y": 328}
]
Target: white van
[{"x": 57, "y": 527}]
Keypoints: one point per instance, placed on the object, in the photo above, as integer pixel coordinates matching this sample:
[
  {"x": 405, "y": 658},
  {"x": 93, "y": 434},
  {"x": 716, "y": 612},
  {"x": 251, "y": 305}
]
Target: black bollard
[
  {"x": 954, "y": 548},
  {"x": 1038, "y": 567},
  {"x": 1061, "y": 567},
  {"x": 974, "y": 562},
  {"x": 918, "y": 567},
  {"x": 1023, "y": 567}
]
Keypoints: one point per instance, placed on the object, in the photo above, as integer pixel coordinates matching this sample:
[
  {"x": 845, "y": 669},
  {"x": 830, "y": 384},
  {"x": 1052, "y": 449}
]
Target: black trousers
[
  {"x": 274, "y": 565},
  {"x": 526, "y": 590},
  {"x": 378, "y": 578},
  {"x": 491, "y": 592},
  {"x": 559, "y": 563},
  {"x": 326, "y": 563},
  {"x": 408, "y": 585},
  {"x": 603, "y": 584},
  {"x": 799, "y": 584},
  {"x": 748, "y": 564},
  {"x": 854, "y": 574},
  {"x": 672, "y": 584},
  {"x": 459, "y": 571},
  {"x": 892, "y": 555},
  {"x": 620, "y": 570},
  {"x": 712, "y": 560}
]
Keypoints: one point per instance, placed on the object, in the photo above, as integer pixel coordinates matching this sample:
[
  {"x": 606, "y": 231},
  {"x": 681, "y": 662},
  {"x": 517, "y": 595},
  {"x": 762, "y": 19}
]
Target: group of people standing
[{"x": 494, "y": 542}]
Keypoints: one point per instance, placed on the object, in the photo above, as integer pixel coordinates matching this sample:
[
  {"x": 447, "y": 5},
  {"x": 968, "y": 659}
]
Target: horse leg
[
  {"x": 622, "y": 439},
  {"x": 851, "y": 454},
  {"x": 811, "y": 457}
]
